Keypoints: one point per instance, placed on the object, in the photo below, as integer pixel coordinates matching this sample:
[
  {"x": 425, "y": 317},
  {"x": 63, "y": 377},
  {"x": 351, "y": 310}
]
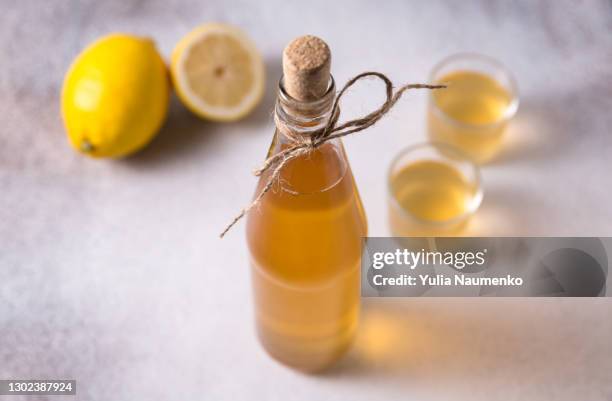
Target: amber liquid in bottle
[{"x": 305, "y": 244}]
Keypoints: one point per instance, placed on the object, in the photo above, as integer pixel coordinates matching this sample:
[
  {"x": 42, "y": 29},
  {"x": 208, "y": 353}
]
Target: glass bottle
[{"x": 304, "y": 239}]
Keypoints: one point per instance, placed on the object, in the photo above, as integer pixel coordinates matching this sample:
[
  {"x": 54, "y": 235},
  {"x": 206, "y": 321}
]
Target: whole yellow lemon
[{"x": 115, "y": 96}]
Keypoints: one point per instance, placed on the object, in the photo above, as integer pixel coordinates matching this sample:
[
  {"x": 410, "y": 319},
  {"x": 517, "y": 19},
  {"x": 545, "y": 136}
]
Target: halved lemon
[{"x": 217, "y": 72}]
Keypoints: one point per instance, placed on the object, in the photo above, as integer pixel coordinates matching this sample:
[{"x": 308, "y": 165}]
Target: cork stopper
[{"x": 306, "y": 68}]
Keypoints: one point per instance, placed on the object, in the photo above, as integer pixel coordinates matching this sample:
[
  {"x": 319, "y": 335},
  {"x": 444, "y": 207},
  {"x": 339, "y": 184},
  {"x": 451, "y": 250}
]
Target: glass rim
[
  {"x": 474, "y": 204},
  {"x": 513, "y": 86}
]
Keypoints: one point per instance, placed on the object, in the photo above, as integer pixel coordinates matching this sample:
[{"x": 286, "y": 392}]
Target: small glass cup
[
  {"x": 433, "y": 189},
  {"x": 472, "y": 113}
]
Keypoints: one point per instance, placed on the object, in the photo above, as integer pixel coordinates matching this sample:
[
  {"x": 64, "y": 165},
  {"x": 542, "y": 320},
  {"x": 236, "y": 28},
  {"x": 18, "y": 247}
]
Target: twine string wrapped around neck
[{"x": 303, "y": 144}]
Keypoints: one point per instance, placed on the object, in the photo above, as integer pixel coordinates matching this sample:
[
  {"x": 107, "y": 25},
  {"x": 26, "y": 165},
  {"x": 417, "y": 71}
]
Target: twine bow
[{"x": 305, "y": 144}]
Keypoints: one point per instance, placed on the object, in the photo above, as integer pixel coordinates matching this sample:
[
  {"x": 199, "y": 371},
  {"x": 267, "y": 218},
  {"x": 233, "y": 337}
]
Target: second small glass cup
[
  {"x": 433, "y": 190},
  {"x": 472, "y": 112}
]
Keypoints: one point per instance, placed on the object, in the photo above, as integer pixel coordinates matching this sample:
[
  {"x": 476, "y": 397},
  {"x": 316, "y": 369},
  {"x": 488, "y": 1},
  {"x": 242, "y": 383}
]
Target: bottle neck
[
  {"x": 325, "y": 167},
  {"x": 302, "y": 118}
]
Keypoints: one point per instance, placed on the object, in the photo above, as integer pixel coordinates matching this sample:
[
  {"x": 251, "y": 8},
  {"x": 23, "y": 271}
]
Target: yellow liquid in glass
[
  {"x": 428, "y": 198},
  {"x": 306, "y": 251},
  {"x": 470, "y": 113}
]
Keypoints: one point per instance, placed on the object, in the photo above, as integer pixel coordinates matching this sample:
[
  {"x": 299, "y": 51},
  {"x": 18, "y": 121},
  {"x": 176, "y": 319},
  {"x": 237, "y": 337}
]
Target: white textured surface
[{"x": 111, "y": 271}]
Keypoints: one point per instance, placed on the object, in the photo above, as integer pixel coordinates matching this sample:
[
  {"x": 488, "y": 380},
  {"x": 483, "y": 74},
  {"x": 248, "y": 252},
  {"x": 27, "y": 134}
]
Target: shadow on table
[
  {"x": 548, "y": 127},
  {"x": 498, "y": 214},
  {"x": 544, "y": 134},
  {"x": 404, "y": 340},
  {"x": 184, "y": 133}
]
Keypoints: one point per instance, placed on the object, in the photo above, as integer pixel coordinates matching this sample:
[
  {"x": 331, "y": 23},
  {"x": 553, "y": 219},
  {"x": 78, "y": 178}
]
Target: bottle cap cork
[{"x": 306, "y": 68}]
